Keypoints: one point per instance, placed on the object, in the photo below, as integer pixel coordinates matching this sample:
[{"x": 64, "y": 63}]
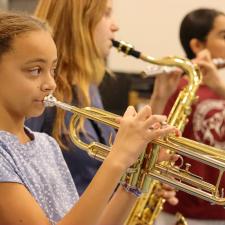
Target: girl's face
[
  {"x": 27, "y": 74},
  {"x": 104, "y": 31},
  {"x": 215, "y": 41}
]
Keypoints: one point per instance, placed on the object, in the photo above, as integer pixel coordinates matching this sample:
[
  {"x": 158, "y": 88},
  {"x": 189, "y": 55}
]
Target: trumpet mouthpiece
[{"x": 50, "y": 101}]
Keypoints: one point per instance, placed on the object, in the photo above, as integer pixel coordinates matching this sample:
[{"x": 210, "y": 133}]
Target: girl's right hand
[
  {"x": 135, "y": 132},
  {"x": 209, "y": 71}
]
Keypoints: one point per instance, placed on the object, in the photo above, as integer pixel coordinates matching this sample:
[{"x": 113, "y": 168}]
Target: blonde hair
[{"x": 79, "y": 63}]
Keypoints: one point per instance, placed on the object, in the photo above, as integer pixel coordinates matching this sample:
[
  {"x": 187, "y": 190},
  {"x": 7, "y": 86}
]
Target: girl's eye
[
  {"x": 108, "y": 13},
  {"x": 35, "y": 71}
]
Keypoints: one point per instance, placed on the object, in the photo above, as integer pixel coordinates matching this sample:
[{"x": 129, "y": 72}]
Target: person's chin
[
  {"x": 106, "y": 53},
  {"x": 36, "y": 113}
]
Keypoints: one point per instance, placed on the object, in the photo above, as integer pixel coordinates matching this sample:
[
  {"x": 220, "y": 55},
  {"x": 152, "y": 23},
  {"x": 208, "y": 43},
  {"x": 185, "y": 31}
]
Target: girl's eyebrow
[
  {"x": 40, "y": 60},
  {"x": 221, "y": 32}
]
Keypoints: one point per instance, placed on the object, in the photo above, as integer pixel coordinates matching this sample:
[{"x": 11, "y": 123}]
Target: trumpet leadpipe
[
  {"x": 88, "y": 112},
  {"x": 96, "y": 150}
]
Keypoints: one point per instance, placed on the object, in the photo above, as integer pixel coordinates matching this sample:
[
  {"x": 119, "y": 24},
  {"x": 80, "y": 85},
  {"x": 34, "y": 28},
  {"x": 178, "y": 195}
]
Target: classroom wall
[
  {"x": 152, "y": 27},
  {"x": 3, "y": 4}
]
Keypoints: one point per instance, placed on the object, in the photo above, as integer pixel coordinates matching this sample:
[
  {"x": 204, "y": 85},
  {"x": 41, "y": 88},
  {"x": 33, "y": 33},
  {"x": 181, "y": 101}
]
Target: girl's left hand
[{"x": 168, "y": 193}]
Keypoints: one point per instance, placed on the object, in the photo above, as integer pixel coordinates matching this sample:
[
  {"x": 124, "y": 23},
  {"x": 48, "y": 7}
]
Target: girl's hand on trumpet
[
  {"x": 165, "y": 191},
  {"x": 168, "y": 193},
  {"x": 135, "y": 132}
]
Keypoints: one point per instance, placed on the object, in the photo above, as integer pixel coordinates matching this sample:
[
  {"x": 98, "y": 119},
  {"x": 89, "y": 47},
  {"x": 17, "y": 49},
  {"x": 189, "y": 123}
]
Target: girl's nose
[
  {"x": 48, "y": 84},
  {"x": 114, "y": 26}
]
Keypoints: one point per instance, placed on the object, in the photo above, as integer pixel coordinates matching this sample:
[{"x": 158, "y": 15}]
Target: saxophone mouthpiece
[
  {"x": 50, "y": 101},
  {"x": 115, "y": 43},
  {"x": 126, "y": 48}
]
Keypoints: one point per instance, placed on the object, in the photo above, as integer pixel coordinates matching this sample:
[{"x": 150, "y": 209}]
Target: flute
[{"x": 155, "y": 70}]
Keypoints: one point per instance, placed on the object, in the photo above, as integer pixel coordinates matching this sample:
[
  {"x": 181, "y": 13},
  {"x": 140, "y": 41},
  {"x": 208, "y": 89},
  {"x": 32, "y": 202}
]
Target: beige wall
[
  {"x": 152, "y": 27},
  {"x": 18, "y": 5},
  {"x": 22, "y": 5},
  {"x": 3, "y": 4}
]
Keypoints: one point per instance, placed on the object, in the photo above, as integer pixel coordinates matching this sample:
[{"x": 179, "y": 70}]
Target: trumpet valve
[{"x": 187, "y": 167}]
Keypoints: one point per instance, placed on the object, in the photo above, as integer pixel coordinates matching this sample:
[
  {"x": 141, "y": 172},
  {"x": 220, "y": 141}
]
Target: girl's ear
[{"x": 196, "y": 45}]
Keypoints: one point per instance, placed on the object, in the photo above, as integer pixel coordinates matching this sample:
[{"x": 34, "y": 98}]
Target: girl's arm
[
  {"x": 17, "y": 201},
  {"x": 118, "y": 208},
  {"x": 132, "y": 138},
  {"x": 122, "y": 201}
]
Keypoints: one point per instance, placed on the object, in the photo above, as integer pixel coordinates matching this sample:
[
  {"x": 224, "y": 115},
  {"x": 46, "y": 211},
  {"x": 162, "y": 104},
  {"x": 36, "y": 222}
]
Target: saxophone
[
  {"x": 149, "y": 205},
  {"x": 138, "y": 177}
]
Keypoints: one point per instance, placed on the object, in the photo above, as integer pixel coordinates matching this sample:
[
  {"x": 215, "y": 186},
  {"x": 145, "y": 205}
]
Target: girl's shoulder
[
  {"x": 43, "y": 139},
  {"x": 43, "y": 123}
]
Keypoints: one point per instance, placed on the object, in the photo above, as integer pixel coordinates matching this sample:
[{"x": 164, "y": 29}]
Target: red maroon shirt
[{"x": 206, "y": 125}]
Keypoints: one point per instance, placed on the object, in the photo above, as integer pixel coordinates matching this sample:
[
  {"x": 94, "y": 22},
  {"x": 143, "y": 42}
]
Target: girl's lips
[{"x": 39, "y": 101}]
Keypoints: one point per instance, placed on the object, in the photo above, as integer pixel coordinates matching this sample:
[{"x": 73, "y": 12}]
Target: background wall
[
  {"x": 3, "y": 4},
  {"x": 25, "y": 5},
  {"x": 152, "y": 27}
]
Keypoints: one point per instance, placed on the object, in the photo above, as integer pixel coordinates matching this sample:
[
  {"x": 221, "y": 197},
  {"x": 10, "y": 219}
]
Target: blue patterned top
[
  {"x": 40, "y": 167},
  {"x": 82, "y": 166}
]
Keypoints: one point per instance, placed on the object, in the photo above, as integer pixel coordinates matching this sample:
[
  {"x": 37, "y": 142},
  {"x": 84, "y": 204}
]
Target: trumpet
[
  {"x": 183, "y": 179},
  {"x": 155, "y": 70}
]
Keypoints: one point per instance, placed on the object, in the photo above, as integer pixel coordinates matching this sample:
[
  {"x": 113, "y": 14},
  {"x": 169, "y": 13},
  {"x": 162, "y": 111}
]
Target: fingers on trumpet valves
[
  {"x": 156, "y": 122},
  {"x": 159, "y": 125},
  {"x": 160, "y": 128},
  {"x": 144, "y": 113},
  {"x": 130, "y": 111},
  {"x": 167, "y": 155},
  {"x": 167, "y": 192}
]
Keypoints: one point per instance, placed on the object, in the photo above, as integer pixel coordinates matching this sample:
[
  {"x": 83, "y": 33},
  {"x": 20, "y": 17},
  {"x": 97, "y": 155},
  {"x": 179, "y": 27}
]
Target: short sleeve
[{"x": 7, "y": 169}]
